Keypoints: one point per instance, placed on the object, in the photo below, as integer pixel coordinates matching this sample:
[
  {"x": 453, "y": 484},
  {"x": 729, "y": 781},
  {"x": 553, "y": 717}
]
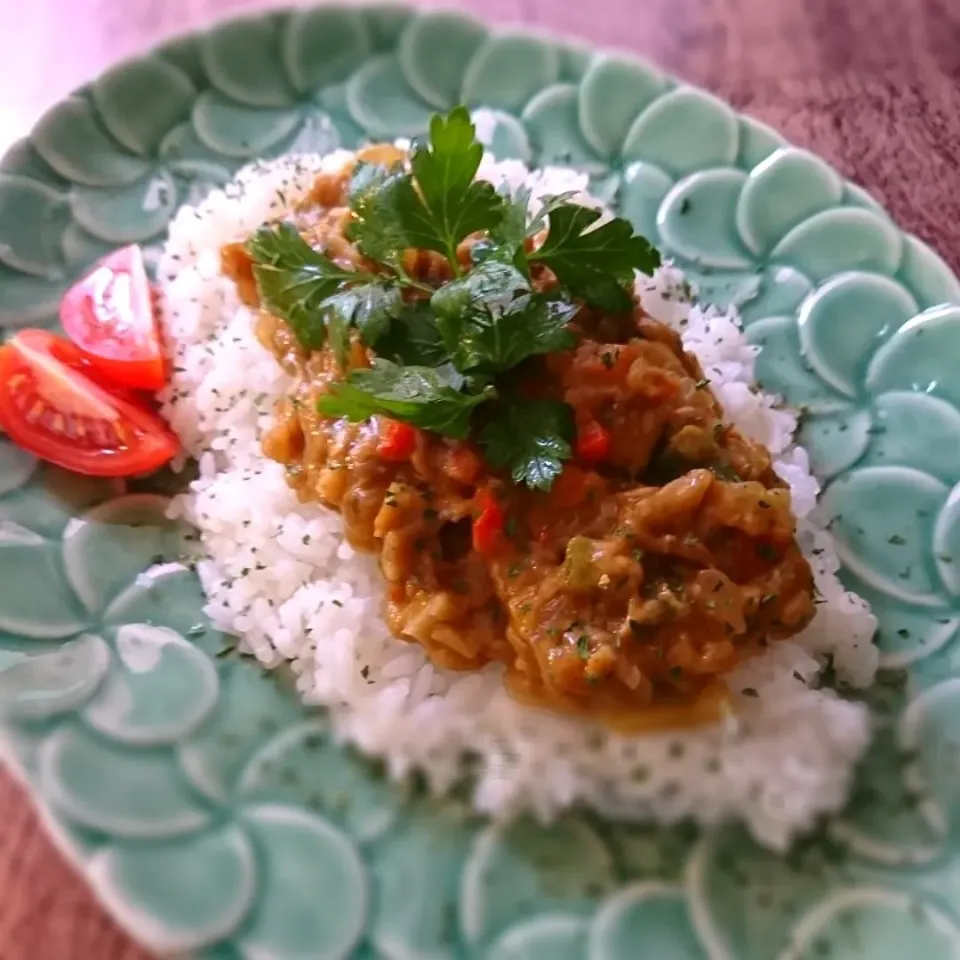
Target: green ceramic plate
[{"x": 212, "y": 815}]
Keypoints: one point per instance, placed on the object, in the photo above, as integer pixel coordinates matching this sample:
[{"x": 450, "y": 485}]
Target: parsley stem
[
  {"x": 454, "y": 262},
  {"x": 407, "y": 281}
]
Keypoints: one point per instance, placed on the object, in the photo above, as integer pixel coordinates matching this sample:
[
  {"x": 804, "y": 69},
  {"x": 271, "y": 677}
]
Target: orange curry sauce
[{"x": 662, "y": 556}]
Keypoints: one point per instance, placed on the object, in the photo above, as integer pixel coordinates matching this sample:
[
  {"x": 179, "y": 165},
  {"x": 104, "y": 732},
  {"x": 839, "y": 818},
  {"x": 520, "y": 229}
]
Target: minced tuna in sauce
[{"x": 663, "y": 555}]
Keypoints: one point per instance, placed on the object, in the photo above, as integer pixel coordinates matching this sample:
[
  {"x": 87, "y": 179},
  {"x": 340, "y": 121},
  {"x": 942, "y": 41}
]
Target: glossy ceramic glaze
[{"x": 213, "y": 815}]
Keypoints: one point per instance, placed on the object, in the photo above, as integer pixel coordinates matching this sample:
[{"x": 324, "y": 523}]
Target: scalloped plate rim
[{"x": 367, "y": 9}]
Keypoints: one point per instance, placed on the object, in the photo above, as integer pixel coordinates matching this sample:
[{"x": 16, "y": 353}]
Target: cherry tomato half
[
  {"x": 109, "y": 316},
  {"x": 50, "y": 407}
]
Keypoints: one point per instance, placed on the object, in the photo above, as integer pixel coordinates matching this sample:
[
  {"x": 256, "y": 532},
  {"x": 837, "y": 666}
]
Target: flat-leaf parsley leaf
[
  {"x": 293, "y": 280},
  {"x": 427, "y": 397},
  {"x": 490, "y": 321},
  {"x": 450, "y": 204},
  {"x": 413, "y": 338},
  {"x": 530, "y": 438},
  {"x": 596, "y": 264},
  {"x": 367, "y": 306},
  {"x": 376, "y": 194},
  {"x": 444, "y": 345}
]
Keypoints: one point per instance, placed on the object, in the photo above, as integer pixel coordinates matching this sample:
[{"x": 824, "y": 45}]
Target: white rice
[{"x": 280, "y": 576}]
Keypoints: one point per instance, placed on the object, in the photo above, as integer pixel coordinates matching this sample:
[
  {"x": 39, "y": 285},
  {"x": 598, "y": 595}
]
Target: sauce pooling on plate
[{"x": 544, "y": 472}]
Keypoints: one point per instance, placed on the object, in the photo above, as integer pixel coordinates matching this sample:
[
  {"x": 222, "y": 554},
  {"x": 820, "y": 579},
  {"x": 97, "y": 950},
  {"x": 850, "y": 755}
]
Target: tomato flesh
[
  {"x": 50, "y": 407},
  {"x": 488, "y": 526},
  {"x": 398, "y": 440},
  {"x": 109, "y": 316},
  {"x": 593, "y": 442}
]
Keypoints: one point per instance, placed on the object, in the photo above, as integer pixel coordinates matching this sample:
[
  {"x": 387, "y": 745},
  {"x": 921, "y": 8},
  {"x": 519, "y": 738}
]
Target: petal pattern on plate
[
  {"x": 16, "y": 466},
  {"x": 781, "y": 369},
  {"x": 513, "y": 872},
  {"x": 184, "y": 52},
  {"x": 508, "y": 70},
  {"x": 696, "y": 219},
  {"x": 67, "y": 835},
  {"x": 43, "y": 684},
  {"x": 881, "y": 523},
  {"x": 876, "y": 923},
  {"x": 188, "y": 816},
  {"x": 856, "y": 196},
  {"x": 183, "y": 894},
  {"x": 782, "y": 290},
  {"x": 844, "y": 321},
  {"x": 123, "y": 793},
  {"x": 558, "y": 937},
  {"x": 905, "y": 633},
  {"x": 29, "y": 301},
  {"x": 782, "y": 191},
  {"x": 181, "y": 148},
  {"x": 235, "y": 130},
  {"x": 303, "y": 764},
  {"x": 333, "y": 100},
  {"x": 53, "y": 497},
  {"x": 684, "y": 131},
  {"x": 313, "y": 895},
  {"x": 644, "y": 919},
  {"x": 105, "y": 548},
  {"x": 724, "y": 288},
  {"x": 835, "y": 442},
  {"x": 642, "y": 190},
  {"x": 168, "y": 596},
  {"x": 26, "y": 201},
  {"x": 71, "y": 139},
  {"x": 845, "y": 238},
  {"x": 415, "y": 869},
  {"x": 433, "y": 52},
  {"x": 924, "y": 272},
  {"x": 575, "y": 60},
  {"x": 612, "y": 93},
  {"x": 21, "y": 158},
  {"x": 502, "y": 134},
  {"x": 251, "y": 710},
  {"x": 916, "y": 430},
  {"x": 137, "y": 212},
  {"x": 552, "y": 120},
  {"x": 160, "y": 688},
  {"x": 121, "y": 93},
  {"x": 745, "y": 900},
  {"x": 946, "y": 542},
  {"x": 195, "y": 179},
  {"x": 383, "y": 103},
  {"x": 921, "y": 357},
  {"x": 757, "y": 142},
  {"x": 606, "y": 188},
  {"x": 323, "y": 45},
  {"x": 645, "y": 851},
  {"x": 385, "y": 22},
  {"x": 26, "y": 560},
  {"x": 242, "y": 59},
  {"x": 929, "y": 730},
  {"x": 81, "y": 249},
  {"x": 882, "y": 822},
  {"x": 317, "y": 133}
]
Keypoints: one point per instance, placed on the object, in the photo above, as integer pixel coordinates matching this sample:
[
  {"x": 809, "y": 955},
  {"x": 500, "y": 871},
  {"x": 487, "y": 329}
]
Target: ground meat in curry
[{"x": 654, "y": 565}]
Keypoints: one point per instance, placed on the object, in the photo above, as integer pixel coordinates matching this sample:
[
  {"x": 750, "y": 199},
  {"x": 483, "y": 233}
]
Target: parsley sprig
[{"x": 442, "y": 352}]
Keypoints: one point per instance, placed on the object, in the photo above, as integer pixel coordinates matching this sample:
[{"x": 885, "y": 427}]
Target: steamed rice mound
[{"x": 280, "y": 575}]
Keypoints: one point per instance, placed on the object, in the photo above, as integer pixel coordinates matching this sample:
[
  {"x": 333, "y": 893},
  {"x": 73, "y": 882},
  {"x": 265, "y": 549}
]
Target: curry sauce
[{"x": 663, "y": 555}]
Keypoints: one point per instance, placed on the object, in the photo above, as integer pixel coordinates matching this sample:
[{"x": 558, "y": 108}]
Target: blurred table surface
[{"x": 873, "y": 86}]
